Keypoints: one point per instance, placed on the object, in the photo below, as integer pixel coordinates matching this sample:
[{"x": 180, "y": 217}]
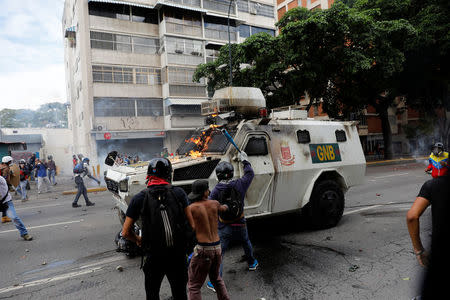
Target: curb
[
  {"x": 90, "y": 190},
  {"x": 395, "y": 161}
]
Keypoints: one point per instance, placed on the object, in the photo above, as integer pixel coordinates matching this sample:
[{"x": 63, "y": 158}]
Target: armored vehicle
[{"x": 299, "y": 163}]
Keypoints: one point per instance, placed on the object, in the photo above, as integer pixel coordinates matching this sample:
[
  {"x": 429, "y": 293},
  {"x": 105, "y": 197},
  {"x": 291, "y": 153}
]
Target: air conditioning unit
[{"x": 100, "y": 127}]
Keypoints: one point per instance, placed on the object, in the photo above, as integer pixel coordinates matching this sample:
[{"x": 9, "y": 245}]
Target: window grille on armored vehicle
[
  {"x": 112, "y": 186},
  {"x": 340, "y": 136},
  {"x": 303, "y": 136},
  {"x": 198, "y": 171},
  {"x": 256, "y": 146}
]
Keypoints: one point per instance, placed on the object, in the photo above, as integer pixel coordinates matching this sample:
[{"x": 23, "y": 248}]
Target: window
[
  {"x": 124, "y": 43},
  {"x": 185, "y": 110},
  {"x": 216, "y": 28},
  {"x": 144, "y": 15},
  {"x": 149, "y": 76},
  {"x": 108, "y": 74},
  {"x": 244, "y": 31},
  {"x": 115, "y": 11},
  {"x": 303, "y": 136},
  {"x": 187, "y": 90},
  {"x": 256, "y": 146},
  {"x": 256, "y": 8},
  {"x": 114, "y": 107},
  {"x": 183, "y": 23},
  {"x": 124, "y": 12},
  {"x": 149, "y": 107},
  {"x": 127, "y": 107},
  {"x": 340, "y": 135},
  {"x": 182, "y": 75},
  {"x": 145, "y": 45},
  {"x": 219, "y": 5},
  {"x": 184, "y": 51}
]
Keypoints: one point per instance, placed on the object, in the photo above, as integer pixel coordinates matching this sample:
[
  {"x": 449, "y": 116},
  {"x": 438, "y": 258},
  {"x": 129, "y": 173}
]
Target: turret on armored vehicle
[{"x": 299, "y": 163}]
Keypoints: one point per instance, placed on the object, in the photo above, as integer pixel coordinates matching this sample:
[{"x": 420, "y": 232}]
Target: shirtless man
[{"x": 203, "y": 217}]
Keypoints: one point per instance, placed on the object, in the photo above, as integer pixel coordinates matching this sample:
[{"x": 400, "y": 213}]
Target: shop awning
[{"x": 124, "y": 3}]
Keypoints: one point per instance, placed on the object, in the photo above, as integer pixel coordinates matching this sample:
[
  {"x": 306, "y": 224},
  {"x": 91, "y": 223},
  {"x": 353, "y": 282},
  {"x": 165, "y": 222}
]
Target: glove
[{"x": 243, "y": 156}]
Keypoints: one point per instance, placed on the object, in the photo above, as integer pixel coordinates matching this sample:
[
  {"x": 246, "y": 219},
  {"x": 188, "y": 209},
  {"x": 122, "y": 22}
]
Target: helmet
[
  {"x": 22, "y": 161},
  {"x": 86, "y": 160},
  {"x": 160, "y": 167},
  {"x": 7, "y": 159},
  {"x": 224, "y": 170},
  {"x": 438, "y": 148},
  {"x": 49, "y": 157}
]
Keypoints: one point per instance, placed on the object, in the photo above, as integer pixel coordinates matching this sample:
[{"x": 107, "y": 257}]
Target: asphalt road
[{"x": 367, "y": 256}]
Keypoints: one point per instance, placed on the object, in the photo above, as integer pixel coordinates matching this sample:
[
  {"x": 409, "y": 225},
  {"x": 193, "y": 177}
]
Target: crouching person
[
  {"x": 161, "y": 208},
  {"x": 203, "y": 215}
]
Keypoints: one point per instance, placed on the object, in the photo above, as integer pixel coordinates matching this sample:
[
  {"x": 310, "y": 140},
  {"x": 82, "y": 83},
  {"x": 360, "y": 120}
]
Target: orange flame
[{"x": 201, "y": 142}]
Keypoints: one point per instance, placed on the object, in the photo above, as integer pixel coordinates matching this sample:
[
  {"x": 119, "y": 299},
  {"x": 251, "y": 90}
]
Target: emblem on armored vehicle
[{"x": 287, "y": 158}]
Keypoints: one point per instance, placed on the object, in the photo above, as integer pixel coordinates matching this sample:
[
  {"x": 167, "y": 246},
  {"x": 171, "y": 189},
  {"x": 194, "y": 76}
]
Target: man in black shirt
[
  {"x": 161, "y": 208},
  {"x": 435, "y": 192}
]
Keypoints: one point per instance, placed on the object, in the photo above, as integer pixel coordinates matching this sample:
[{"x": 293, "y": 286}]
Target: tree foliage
[
  {"x": 355, "y": 54},
  {"x": 47, "y": 115}
]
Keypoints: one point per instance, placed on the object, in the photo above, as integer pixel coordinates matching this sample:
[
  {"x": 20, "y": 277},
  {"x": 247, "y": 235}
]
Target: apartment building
[
  {"x": 129, "y": 67},
  {"x": 284, "y": 5}
]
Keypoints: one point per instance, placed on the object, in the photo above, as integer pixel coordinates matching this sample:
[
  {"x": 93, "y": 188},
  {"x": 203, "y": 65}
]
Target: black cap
[{"x": 199, "y": 187}]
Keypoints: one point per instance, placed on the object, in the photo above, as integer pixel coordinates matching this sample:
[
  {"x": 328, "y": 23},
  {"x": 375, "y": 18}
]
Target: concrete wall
[{"x": 56, "y": 142}]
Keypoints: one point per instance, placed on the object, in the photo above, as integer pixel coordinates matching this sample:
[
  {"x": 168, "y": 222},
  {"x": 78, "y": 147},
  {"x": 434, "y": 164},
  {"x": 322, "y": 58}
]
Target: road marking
[
  {"x": 46, "y": 225},
  {"x": 41, "y": 206},
  {"x": 361, "y": 209},
  {"x": 85, "y": 269},
  {"x": 399, "y": 206},
  {"x": 48, "y": 280},
  {"x": 393, "y": 175}
]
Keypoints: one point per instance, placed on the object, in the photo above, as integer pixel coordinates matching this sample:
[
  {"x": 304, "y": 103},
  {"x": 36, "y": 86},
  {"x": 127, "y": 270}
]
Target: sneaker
[
  {"x": 76, "y": 205},
  {"x": 210, "y": 286},
  {"x": 27, "y": 237},
  {"x": 253, "y": 266},
  {"x": 6, "y": 219},
  {"x": 90, "y": 204}
]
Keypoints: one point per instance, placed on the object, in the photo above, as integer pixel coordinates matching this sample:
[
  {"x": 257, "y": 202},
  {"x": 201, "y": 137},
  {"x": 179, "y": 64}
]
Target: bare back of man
[{"x": 203, "y": 216}]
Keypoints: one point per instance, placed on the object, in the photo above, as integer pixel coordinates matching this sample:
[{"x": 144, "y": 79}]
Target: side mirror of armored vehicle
[{"x": 111, "y": 158}]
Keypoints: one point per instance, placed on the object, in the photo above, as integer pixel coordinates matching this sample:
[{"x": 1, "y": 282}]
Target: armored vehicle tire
[{"x": 326, "y": 205}]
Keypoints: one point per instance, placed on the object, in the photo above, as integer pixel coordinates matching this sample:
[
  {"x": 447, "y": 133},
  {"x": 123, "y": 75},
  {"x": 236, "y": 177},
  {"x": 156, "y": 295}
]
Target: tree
[{"x": 50, "y": 114}]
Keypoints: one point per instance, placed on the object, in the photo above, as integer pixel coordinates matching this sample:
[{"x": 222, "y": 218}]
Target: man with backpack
[
  {"x": 24, "y": 173},
  {"x": 207, "y": 257},
  {"x": 81, "y": 170},
  {"x": 165, "y": 229},
  {"x": 232, "y": 225}
]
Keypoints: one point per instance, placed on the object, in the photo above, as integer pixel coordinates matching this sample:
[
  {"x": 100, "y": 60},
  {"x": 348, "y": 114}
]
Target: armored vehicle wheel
[
  {"x": 326, "y": 205},
  {"x": 121, "y": 216}
]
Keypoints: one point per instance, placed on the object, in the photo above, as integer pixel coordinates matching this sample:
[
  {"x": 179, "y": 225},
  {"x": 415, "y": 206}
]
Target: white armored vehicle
[{"x": 299, "y": 163}]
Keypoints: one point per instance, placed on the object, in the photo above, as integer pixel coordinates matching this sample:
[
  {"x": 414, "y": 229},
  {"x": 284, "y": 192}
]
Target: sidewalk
[{"x": 396, "y": 161}]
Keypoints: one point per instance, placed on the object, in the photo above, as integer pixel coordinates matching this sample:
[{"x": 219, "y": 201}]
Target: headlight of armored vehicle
[{"x": 123, "y": 185}]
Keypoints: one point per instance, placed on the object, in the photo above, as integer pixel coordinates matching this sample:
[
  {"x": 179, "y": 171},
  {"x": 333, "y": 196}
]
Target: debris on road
[
  {"x": 353, "y": 268},
  {"x": 44, "y": 263},
  {"x": 119, "y": 268}
]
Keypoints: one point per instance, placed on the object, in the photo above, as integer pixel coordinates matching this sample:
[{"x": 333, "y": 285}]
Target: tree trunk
[{"x": 387, "y": 133}]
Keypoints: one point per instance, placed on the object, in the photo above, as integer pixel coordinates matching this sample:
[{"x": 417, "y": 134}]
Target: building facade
[{"x": 129, "y": 67}]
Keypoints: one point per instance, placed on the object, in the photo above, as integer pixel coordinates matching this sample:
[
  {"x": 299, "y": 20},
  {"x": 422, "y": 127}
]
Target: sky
[{"x": 31, "y": 53}]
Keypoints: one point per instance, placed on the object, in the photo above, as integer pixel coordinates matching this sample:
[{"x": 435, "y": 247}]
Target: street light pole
[{"x": 229, "y": 44}]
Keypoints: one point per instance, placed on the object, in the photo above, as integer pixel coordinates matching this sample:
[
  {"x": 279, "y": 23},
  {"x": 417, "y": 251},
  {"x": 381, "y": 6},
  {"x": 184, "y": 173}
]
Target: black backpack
[
  {"x": 232, "y": 198},
  {"x": 164, "y": 224}
]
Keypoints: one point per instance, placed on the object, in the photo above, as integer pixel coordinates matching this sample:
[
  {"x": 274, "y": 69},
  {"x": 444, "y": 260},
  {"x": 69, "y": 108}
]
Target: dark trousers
[
  {"x": 171, "y": 263},
  {"x": 230, "y": 233},
  {"x": 81, "y": 190}
]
